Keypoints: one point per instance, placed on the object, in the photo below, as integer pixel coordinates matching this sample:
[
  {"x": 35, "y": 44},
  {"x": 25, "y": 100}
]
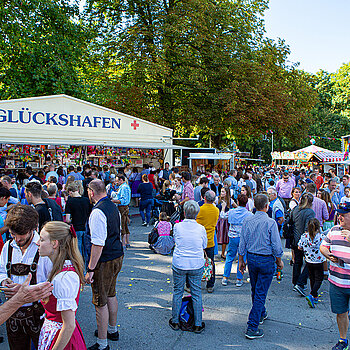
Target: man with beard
[{"x": 20, "y": 257}]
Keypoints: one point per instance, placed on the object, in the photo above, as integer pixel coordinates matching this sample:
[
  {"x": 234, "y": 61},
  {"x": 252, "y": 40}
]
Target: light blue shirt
[
  {"x": 260, "y": 235},
  {"x": 341, "y": 190},
  {"x": 335, "y": 198},
  {"x": 197, "y": 193},
  {"x": 124, "y": 194},
  {"x": 51, "y": 173},
  {"x": 77, "y": 176}
]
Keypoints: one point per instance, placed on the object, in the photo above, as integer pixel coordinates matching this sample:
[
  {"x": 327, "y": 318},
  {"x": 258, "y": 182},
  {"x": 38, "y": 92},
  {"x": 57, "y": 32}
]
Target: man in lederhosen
[{"x": 19, "y": 257}]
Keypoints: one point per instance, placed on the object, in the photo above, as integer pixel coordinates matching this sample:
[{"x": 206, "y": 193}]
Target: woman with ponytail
[
  {"x": 59, "y": 242},
  {"x": 310, "y": 243}
]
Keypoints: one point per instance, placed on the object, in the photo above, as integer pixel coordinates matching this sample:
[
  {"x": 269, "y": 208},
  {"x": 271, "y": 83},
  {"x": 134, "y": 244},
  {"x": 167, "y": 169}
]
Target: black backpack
[
  {"x": 186, "y": 319},
  {"x": 54, "y": 209},
  {"x": 153, "y": 236},
  {"x": 288, "y": 225}
]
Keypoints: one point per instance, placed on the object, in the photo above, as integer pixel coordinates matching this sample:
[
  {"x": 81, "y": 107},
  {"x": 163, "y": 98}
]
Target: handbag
[{"x": 208, "y": 268}]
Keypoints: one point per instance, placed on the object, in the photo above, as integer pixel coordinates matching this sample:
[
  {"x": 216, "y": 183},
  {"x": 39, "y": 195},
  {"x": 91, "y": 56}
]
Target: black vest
[{"x": 113, "y": 247}]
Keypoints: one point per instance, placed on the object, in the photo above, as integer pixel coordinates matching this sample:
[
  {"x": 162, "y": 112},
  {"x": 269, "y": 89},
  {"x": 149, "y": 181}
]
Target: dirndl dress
[
  {"x": 134, "y": 181},
  {"x": 330, "y": 222},
  {"x": 222, "y": 228},
  {"x": 165, "y": 243},
  {"x": 64, "y": 287}
]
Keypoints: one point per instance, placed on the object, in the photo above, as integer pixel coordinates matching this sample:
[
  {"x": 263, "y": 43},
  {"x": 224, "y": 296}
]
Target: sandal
[{"x": 223, "y": 257}]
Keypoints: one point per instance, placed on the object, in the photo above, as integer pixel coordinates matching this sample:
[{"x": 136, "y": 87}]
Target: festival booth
[
  {"x": 346, "y": 149},
  {"x": 65, "y": 130},
  {"x": 311, "y": 156},
  {"x": 201, "y": 162}
]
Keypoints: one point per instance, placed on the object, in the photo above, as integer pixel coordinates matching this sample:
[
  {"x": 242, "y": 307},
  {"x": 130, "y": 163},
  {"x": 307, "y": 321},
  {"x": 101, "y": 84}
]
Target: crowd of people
[{"x": 63, "y": 227}]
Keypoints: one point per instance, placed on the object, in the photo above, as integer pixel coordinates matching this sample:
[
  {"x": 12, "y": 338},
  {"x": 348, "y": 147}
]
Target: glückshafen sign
[
  {"x": 62, "y": 119},
  {"x": 26, "y": 116}
]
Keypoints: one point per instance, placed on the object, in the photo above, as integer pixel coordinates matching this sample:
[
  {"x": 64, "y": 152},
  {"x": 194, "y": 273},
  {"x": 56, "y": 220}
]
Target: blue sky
[{"x": 317, "y": 31}]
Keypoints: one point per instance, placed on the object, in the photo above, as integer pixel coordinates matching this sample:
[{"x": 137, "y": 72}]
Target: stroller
[{"x": 161, "y": 206}]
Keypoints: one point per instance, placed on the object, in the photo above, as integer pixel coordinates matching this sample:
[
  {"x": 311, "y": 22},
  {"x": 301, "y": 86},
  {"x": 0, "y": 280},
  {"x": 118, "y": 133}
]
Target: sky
[{"x": 317, "y": 31}]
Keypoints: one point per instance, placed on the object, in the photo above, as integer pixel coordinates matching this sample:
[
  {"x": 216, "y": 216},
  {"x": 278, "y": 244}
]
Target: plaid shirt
[{"x": 188, "y": 191}]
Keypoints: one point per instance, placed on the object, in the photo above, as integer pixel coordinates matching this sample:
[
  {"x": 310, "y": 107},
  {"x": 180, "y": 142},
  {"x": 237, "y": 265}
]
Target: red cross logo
[{"x": 135, "y": 125}]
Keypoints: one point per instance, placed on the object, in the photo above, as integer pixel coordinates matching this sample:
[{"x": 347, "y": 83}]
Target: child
[
  {"x": 60, "y": 330},
  {"x": 310, "y": 243},
  {"x": 346, "y": 198},
  {"x": 165, "y": 243}
]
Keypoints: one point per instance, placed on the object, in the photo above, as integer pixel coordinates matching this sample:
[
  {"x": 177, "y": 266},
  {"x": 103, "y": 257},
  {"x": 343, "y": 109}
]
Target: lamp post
[{"x": 271, "y": 141}]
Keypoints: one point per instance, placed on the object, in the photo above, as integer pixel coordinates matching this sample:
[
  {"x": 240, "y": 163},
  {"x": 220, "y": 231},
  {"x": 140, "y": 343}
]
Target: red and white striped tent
[{"x": 330, "y": 156}]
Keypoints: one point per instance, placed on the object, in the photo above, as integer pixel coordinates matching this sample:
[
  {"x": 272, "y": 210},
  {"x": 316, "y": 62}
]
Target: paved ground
[{"x": 144, "y": 294}]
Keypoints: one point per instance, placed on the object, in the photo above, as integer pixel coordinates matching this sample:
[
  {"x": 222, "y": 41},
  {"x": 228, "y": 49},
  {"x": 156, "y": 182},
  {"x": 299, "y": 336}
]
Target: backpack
[
  {"x": 186, "y": 319},
  {"x": 288, "y": 225},
  {"x": 53, "y": 209},
  {"x": 153, "y": 236}
]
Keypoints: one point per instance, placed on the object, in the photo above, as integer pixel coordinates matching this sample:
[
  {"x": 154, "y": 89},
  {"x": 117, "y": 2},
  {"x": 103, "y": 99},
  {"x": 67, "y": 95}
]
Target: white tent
[
  {"x": 312, "y": 149},
  {"x": 65, "y": 120},
  {"x": 217, "y": 156}
]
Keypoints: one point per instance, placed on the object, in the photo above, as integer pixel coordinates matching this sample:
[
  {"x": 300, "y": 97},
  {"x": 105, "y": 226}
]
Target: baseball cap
[{"x": 344, "y": 208}]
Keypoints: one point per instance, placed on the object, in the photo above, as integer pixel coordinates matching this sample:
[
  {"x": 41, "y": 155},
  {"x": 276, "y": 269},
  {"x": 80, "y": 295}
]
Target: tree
[
  {"x": 199, "y": 66},
  {"x": 341, "y": 90},
  {"x": 42, "y": 44}
]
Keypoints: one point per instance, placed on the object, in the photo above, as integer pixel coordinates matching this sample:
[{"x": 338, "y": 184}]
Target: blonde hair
[
  {"x": 80, "y": 186},
  {"x": 67, "y": 249},
  {"x": 166, "y": 185},
  {"x": 70, "y": 179}
]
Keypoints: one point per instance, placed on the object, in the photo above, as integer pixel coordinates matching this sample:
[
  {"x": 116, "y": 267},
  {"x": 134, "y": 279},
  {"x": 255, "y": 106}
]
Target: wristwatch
[{"x": 90, "y": 270}]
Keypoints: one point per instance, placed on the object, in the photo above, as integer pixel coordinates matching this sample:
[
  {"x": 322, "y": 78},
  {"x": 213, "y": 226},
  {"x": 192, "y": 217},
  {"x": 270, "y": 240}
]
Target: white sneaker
[
  {"x": 224, "y": 281},
  {"x": 239, "y": 283}
]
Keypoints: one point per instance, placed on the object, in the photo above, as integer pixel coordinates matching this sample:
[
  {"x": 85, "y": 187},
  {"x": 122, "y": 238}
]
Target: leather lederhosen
[{"x": 25, "y": 324}]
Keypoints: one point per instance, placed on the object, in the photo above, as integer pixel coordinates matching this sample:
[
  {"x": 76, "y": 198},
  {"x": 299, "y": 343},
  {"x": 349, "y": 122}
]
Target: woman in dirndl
[
  {"x": 61, "y": 330},
  {"x": 134, "y": 181},
  {"x": 222, "y": 225}
]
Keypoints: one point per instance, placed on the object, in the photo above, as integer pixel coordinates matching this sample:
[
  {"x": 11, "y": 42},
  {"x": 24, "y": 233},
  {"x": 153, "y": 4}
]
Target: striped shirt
[
  {"x": 339, "y": 273},
  {"x": 260, "y": 235}
]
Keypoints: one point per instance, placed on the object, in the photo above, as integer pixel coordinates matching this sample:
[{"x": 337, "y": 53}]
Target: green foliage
[
  {"x": 341, "y": 90},
  {"x": 42, "y": 44},
  {"x": 198, "y": 66}
]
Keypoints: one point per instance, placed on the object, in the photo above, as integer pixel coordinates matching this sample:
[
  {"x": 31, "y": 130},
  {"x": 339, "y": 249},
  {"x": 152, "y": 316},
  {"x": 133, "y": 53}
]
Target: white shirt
[
  {"x": 344, "y": 200},
  {"x": 190, "y": 240},
  {"x": 44, "y": 263},
  {"x": 66, "y": 286},
  {"x": 250, "y": 204},
  {"x": 98, "y": 227}
]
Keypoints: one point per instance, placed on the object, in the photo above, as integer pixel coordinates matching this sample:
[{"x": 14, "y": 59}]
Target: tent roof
[
  {"x": 330, "y": 157},
  {"x": 312, "y": 149}
]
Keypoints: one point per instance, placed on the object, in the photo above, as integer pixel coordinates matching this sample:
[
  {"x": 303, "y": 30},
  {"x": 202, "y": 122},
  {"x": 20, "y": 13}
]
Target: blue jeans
[
  {"x": 261, "y": 269},
  {"x": 230, "y": 256},
  {"x": 80, "y": 235},
  {"x": 194, "y": 278},
  {"x": 147, "y": 204}
]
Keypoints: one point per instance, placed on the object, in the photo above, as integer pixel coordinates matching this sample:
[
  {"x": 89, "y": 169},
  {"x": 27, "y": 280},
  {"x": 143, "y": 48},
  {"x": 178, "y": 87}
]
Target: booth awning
[
  {"x": 82, "y": 142},
  {"x": 330, "y": 157},
  {"x": 65, "y": 120},
  {"x": 217, "y": 156}
]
